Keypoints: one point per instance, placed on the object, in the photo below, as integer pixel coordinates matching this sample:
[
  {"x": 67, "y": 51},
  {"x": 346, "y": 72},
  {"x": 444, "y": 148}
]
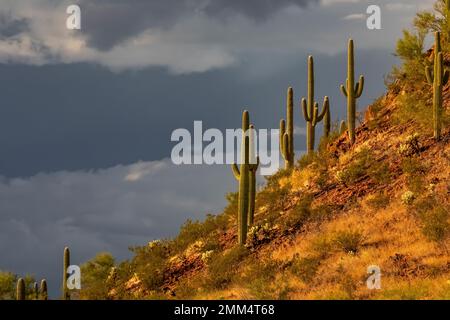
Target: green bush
[
  {"x": 378, "y": 201},
  {"x": 305, "y": 268},
  {"x": 434, "y": 217},
  {"x": 348, "y": 241},
  {"x": 355, "y": 169},
  {"x": 223, "y": 267},
  {"x": 149, "y": 263},
  {"x": 97, "y": 277},
  {"x": 260, "y": 279}
]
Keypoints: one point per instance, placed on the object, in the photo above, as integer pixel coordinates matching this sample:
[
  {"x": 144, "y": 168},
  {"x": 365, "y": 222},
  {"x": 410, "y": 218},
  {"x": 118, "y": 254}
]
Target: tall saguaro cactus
[
  {"x": 252, "y": 167},
  {"x": 66, "y": 263},
  {"x": 352, "y": 92},
  {"x": 311, "y": 108},
  {"x": 242, "y": 175},
  {"x": 20, "y": 290},
  {"x": 43, "y": 290},
  {"x": 287, "y": 131},
  {"x": 438, "y": 78}
]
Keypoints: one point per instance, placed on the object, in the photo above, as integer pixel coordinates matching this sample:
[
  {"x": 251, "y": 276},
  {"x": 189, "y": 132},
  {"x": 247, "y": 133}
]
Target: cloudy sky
[{"x": 86, "y": 116}]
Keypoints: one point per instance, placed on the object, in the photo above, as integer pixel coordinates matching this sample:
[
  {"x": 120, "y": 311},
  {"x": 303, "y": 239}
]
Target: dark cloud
[
  {"x": 10, "y": 26},
  {"x": 94, "y": 211},
  {"x": 255, "y": 9},
  {"x": 108, "y": 22},
  {"x": 82, "y": 116}
]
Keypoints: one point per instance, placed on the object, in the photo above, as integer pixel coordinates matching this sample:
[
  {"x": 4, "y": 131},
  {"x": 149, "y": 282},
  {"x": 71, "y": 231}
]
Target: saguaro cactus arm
[
  {"x": 344, "y": 90},
  {"x": 287, "y": 128},
  {"x": 429, "y": 75},
  {"x": 235, "y": 170},
  {"x": 359, "y": 87},
  {"x": 305, "y": 110},
  {"x": 319, "y": 117}
]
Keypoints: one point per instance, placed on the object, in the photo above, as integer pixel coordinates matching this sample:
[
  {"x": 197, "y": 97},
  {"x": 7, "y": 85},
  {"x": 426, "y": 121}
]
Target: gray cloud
[
  {"x": 102, "y": 210},
  {"x": 110, "y": 22},
  {"x": 10, "y": 26}
]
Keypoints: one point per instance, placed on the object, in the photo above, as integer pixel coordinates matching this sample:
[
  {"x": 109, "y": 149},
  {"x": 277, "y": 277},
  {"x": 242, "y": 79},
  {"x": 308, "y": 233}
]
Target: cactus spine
[
  {"x": 20, "y": 290},
  {"x": 438, "y": 78},
  {"x": 352, "y": 92},
  {"x": 242, "y": 175},
  {"x": 311, "y": 108},
  {"x": 287, "y": 131},
  {"x": 253, "y": 167},
  {"x": 66, "y": 263},
  {"x": 43, "y": 291}
]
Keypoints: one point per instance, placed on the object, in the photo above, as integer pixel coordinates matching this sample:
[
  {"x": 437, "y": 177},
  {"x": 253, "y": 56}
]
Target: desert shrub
[
  {"x": 412, "y": 166},
  {"x": 307, "y": 159},
  {"x": 259, "y": 234},
  {"x": 274, "y": 200},
  {"x": 356, "y": 168},
  {"x": 305, "y": 268},
  {"x": 322, "y": 246},
  {"x": 298, "y": 215},
  {"x": 411, "y": 146},
  {"x": 149, "y": 264},
  {"x": 379, "y": 172},
  {"x": 97, "y": 277},
  {"x": 7, "y": 285},
  {"x": 223, "y": 267},
  {"x": 436, "y": 226},
  {"x": 414, "y": 171},
  {"x": 232, "y": 204},
  {"x": 260, "y": 279},
  {"x": 378, "y": 201},
  {"x": 434, "y": 218},
  {"x": 408, "y": 197},
  {"x": 348, "y": 241},
  {"x": 375, "y": 109},
  {"x": 191, "y": 231}
]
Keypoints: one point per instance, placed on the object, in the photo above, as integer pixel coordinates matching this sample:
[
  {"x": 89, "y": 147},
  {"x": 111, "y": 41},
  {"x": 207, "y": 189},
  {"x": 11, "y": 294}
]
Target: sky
[{"x": 86, "y": 115}]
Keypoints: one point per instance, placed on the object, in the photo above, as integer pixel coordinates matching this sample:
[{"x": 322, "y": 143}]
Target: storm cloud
[
  {"x": 100, "y": 210},
  {"x": 109, "y": 22}
]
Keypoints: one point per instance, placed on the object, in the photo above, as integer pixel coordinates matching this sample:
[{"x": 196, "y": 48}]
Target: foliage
[
  {"x": 408, "y": 197},
  {"x": 97, "y": 274},
  {"x": 348, "y": 241},
  {"x": 223, "y": 267},
  {"x": 434, "y": 217}
]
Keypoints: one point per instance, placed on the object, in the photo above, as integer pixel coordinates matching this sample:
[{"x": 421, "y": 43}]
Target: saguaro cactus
[
  {"x": 43, "y": 291},
  {"x": 20, "y": 290},
  {"x": 66, "y": 263},
  {"x": 36, "y": 291},
  {"x": 438, "y": 78},
  {"x": 287, "y": 131},
  {"x": 311, "y": 108},
  {"x": 253, "y": 167},
  {"x": 352, "y": 92},
  {"x": 242, "y": 175}
]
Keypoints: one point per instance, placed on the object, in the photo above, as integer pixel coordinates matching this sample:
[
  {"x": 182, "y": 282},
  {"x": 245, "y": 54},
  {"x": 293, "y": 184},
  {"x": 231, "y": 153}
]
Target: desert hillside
[{"x": 382, "y": 201}]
